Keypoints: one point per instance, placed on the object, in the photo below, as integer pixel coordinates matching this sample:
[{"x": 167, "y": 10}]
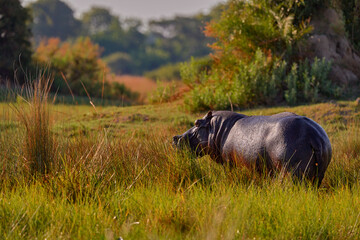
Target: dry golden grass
[
  {"x": 33, "y": 113},
  {"x": 139, "y": 84},
  {"x": 118, "y": 176},
  {"x": 147, "y": 87}
]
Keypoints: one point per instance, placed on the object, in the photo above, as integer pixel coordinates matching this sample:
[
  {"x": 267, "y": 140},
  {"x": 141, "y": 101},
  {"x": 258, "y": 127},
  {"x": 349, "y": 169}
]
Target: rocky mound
[{"x": 328, "y": 40}]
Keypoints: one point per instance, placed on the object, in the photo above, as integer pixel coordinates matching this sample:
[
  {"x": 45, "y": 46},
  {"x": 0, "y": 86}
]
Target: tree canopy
[
  {"x": 53, "y": 18},
  {"x": 15, "y": 47},
  {"x": 97, "y": 20}
]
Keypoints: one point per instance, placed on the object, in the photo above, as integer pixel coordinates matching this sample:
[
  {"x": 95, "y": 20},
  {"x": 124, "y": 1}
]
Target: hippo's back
[
  {"x": 284, "y": 140},
  {"x": 300, "y": 144}
]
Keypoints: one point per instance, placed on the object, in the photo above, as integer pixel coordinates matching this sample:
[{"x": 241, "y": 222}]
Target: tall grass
[
  {"x": 33, "y": 113},
  {"x": 135, "y": 185},
  {"x": 345, "y": 166}
]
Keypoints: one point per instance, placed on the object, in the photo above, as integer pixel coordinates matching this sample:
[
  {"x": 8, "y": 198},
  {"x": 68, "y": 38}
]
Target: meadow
[{"x": 112, "y": 173}]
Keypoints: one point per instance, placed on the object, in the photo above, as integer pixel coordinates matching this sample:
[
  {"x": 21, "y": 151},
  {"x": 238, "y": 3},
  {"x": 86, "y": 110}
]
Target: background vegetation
[
  {"x": 255, "y": 51},
  {"x": 256, "y": 58},
  {"x": 130, "y": 46},
  {"x": 126, "y": 46}
]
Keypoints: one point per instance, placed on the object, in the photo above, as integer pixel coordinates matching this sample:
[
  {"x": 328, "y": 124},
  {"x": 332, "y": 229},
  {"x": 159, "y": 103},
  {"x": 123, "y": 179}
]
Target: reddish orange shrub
[{"x": 80, "y": 64}]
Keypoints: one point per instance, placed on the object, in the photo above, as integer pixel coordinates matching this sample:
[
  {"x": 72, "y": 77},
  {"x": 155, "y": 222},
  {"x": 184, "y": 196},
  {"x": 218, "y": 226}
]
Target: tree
[
  {"x": 97, "y": 20},
  {"x": 134, "y": 38},
  {"x": 53, "y": 18},
  {"x": 120, "y": 63},
  {"x": 15, "y": 47},
  {"x": 104, "y": 29},
  {"x": 78, "y": 61},
  {"x": 182, "y": 37}
]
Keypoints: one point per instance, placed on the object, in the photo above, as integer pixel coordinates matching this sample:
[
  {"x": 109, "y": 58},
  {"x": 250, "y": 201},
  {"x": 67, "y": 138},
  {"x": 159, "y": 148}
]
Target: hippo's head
[{"x": 196, "y": 138}]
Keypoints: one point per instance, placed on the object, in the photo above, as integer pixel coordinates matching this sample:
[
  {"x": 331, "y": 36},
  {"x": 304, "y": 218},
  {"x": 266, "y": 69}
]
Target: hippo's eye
[{"x": 197, "y": 123}]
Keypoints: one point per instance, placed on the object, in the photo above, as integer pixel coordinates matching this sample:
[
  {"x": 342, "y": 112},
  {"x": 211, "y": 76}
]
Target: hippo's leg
[{"x": 301, "y": 163}]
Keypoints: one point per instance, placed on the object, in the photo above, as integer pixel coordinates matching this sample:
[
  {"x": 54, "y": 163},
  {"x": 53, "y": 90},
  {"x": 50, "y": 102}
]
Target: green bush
[
  {"x": 163, "y": 92},
  {"x": 119, "y": 63},
  {"x": 253, "y": 83},
  {"x": 260, "y": 82},
  {"x": 195, "y": 71},
  {"x": 167, "y": 72},
  {"x": 292, "y": 83},
  {"x": 308, "y": 81}
]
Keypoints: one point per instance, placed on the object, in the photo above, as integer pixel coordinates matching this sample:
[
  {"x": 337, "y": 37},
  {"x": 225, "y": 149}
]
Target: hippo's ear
[{"x": 209, "y": 114}]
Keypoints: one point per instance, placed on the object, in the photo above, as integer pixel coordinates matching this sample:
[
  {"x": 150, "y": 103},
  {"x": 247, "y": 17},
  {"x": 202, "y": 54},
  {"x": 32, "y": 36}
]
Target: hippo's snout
[{"x": 176, "y": 140}]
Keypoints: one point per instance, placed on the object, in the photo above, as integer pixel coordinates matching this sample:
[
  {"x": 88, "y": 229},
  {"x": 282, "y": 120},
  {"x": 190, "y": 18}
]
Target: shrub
[
  {"x": 120, "y": 63},
  {"x": 292, "y": 83},
  {"x": 260, "y": 82},
  {"x": 254, "y": 83},
  {"x": 167, "y": 72},
  {"x": 79, "y": 62},
  {"x": 308, "y": 81},
  {"x": 79, "y": 65},
  {"x": 195, "y": 71},
  {"x": 164, "y": 92}
]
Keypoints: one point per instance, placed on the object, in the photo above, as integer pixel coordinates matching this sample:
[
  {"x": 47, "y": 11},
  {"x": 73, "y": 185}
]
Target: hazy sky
[{"x": 144, "y": 9}]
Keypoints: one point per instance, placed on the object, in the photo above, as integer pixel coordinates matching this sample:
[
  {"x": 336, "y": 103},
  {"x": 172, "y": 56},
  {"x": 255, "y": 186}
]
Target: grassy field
[{"x": 113, "y": 173}]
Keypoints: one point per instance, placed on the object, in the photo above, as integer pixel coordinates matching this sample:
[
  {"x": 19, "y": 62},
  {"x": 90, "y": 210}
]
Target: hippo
[{"x": 286, "y": 141}]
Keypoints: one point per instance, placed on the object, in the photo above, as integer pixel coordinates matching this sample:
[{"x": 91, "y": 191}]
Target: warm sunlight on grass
[{"x": 117, "y": 175}]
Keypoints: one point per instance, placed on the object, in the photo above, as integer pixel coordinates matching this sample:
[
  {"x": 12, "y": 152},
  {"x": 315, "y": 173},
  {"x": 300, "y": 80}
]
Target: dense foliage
[
  {"x": 166, "y": 72},
  {"x": 53, "y": 18},
  {"x": 246, "y": 26},
  {"x": 255, "y": 59},
  {"x": 351, "y": 11},
  {"x": 15, "y": 47}
]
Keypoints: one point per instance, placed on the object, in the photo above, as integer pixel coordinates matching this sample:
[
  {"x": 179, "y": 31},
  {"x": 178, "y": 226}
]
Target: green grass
[{"x": 116, "y": 174}]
